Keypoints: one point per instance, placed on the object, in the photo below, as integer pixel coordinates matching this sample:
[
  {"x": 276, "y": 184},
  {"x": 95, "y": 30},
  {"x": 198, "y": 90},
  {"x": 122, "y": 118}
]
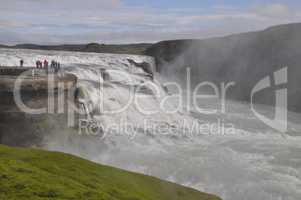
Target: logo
[{"x": 280, "y": 120}]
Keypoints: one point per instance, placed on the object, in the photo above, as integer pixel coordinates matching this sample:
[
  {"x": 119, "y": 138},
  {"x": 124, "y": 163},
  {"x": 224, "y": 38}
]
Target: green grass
[{"x": 34, "y": 174}]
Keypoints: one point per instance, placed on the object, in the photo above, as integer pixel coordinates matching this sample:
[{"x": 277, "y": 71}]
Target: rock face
[
  {"x": 244, "y": 59},
  {"x": 32, "y": 82},
  {"x": 18, "y": 128},
  {"x": 167, "y": 51}
]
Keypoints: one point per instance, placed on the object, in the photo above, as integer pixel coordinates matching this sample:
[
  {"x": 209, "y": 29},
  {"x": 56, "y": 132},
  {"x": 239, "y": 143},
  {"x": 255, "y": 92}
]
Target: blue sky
[{"x": 128, "y": 21}]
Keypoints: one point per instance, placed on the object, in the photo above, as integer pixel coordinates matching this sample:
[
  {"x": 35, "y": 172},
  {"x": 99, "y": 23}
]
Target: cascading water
[{"x": 251, "y": 161}]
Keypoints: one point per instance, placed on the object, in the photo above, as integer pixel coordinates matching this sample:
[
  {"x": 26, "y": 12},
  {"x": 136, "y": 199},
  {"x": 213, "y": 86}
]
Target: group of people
[
  {"x": 56, "y": 66},
  {"x": 41, "y": 65}
]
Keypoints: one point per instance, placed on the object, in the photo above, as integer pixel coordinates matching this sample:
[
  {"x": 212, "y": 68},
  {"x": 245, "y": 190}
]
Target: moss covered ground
[{"x": 35, "y": 175}]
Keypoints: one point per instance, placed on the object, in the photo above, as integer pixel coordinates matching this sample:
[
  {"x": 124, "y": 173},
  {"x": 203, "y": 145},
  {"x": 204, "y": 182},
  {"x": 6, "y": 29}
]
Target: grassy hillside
[{"x": 35, "y": 174}]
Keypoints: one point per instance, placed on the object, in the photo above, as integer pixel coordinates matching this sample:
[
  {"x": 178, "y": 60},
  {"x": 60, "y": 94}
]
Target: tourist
[
  {"x": 45, "y": 64},
  {"x": 57, "y": 66},
  {"x": 53, "y": 63},
  {"x": 40, "y": 64},
  {"x": 37, "y": 64},
  {"x": 21, "y": 63}
]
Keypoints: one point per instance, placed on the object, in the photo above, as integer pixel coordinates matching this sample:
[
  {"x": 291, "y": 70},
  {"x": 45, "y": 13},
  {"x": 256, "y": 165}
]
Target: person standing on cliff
[
  {"x": 52, "y": 64},
  {"x": 21, "y": 63},
  {"x": 45, "y": 64},
  {"x": 38, "y": 64}
]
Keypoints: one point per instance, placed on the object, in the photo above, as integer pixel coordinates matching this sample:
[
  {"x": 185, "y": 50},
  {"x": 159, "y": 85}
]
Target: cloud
[
  {"x": 6, "y": 24},
  {"x": 59, "y": 4},
  {"x": 107, "y": 21},
  {"x": 220, "y": 17},
  {"x": 261, "y": 13},
  {"x": 274, "y": 10}
]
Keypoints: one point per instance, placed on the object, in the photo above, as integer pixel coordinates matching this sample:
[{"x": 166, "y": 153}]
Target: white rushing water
[{"x": 250, "y": 162}]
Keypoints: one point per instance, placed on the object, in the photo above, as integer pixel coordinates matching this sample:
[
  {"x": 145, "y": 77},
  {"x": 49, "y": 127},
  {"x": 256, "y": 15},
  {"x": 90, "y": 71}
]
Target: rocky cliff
[{"x": 244, "y": 59}]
